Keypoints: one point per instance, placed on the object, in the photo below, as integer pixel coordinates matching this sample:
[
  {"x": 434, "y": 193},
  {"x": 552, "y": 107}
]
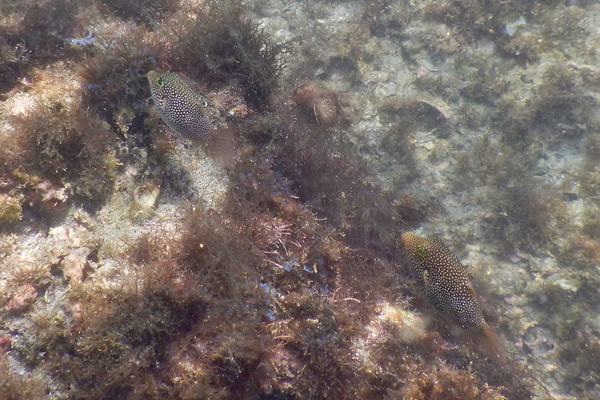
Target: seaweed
[
  {"x": 147, "y": 12},
  {"x": 278, "y": 291},
  {"x": 225, "y": 45},
  {"x": 67, "y": 144},
  {"x": 37, "y": 40}
]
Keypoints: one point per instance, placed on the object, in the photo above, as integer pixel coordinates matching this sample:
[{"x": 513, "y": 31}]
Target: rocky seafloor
[{"x": 137, "y": 265}]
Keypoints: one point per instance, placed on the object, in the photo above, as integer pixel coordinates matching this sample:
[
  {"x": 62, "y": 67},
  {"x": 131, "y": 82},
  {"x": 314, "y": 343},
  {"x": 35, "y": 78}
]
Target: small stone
[{"x": 146, "y": 195}]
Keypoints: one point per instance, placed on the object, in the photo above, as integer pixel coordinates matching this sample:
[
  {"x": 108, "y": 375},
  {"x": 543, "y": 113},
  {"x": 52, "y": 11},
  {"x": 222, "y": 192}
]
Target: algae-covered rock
[{"x": 10, "y": 210}]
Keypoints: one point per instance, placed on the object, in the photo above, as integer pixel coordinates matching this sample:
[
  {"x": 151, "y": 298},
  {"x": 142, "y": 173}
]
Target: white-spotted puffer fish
[
  {"x": 179, "y": 106},
  {"x": 447, "y": 288}
]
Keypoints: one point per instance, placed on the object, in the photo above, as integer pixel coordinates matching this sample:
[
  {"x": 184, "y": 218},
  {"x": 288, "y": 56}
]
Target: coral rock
[
  {"x": 22, "y": 300},
  {"x": 5, "y": 344},
  {"x": 74, "y": 265}
]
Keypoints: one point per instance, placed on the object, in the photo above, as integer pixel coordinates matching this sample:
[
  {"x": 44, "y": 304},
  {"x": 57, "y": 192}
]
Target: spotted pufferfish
[
  {"x": 446, "y": 286},
  {"x": 179, "y": 106}
]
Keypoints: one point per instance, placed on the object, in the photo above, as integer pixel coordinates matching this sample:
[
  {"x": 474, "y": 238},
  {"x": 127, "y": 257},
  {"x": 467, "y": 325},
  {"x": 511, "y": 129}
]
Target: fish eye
[{"x": 160, "y": 82}]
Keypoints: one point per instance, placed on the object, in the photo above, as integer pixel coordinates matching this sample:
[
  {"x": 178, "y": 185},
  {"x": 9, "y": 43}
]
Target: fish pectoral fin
[{"x": 425, "y": 279}]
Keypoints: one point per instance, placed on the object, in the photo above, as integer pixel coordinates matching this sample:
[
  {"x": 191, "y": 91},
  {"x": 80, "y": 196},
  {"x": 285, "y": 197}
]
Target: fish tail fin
[
  {"x": 220, "y": 146},
  {"x": 493, "y": 347}
]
